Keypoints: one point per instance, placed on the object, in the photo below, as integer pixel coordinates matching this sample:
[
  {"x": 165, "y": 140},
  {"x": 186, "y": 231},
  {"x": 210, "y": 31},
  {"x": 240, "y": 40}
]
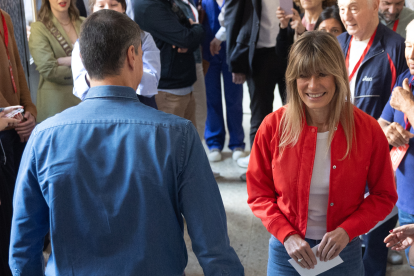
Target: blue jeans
[
  {"x": 351, "y": 255},
  {"x": 406, "y": 218}
]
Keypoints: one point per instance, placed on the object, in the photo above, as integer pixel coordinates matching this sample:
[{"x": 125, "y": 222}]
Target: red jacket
[{"x": 278, "y": 186}]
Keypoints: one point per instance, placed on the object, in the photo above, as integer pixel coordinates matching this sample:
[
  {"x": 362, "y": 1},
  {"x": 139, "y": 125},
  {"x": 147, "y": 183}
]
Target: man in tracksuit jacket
[
  {"x": 374, "y": 81},
  {"x": 176, "y": 38}
]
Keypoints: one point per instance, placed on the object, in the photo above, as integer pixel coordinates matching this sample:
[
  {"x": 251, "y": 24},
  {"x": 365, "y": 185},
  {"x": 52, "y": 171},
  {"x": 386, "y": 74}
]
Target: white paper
[{"x": 320, "y": 267}]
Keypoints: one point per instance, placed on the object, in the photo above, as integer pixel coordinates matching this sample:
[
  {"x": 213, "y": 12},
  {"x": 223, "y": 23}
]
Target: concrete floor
[{"x": 247, "y": 234}]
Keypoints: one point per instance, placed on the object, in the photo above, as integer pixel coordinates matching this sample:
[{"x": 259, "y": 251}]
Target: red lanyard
[
  {"x": 396, "y": 25},
  {"x": 6, "y": 43},
  {"x": 362, "y": 57},
  {"x": 407, "y": 123}
]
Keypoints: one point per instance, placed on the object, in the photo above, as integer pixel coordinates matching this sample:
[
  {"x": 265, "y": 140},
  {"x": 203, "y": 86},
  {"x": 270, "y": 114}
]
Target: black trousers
[
  {"x": 267, "y": 71},
  {"x": 9, "y": 166}
]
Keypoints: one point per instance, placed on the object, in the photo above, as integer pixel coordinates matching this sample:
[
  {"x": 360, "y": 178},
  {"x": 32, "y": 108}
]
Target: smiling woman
[{"x": 309, "y": 153}]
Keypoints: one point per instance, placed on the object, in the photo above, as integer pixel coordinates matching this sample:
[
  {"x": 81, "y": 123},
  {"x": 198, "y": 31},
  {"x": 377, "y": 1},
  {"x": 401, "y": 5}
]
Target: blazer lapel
[{"x": 62, "y": 31}]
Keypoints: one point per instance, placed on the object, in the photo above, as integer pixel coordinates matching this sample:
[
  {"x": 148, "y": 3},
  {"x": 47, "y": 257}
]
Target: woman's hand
[
  {"x": 296, "y": 23},
  {"x": 65, "y": 61},
  {"x": 7, "y": 122},
  {"x": 401, "y": 237},
  {"x": 299, "y": 249},
  {"x": 284, "y": 21},
  {"x": 332, "y": 244},
  {"x": 24, "y": 129}
]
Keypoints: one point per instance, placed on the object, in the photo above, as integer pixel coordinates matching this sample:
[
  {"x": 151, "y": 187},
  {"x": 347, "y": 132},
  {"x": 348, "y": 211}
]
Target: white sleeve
[
  {"x": 80, "y": 86},
  {"x": 152, "y": 67}
]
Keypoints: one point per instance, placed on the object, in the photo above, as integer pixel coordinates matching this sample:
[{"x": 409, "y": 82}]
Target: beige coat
[{"x": 56, "y": 83}]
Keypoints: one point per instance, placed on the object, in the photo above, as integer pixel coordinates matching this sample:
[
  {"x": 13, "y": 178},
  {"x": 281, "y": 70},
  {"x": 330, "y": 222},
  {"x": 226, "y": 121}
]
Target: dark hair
[
  {"x": 328, "y": 13},
  {"x": 93, "y": 2},
  {"x": 104, "y": 40},
  {"x": 45, "y": 12}
]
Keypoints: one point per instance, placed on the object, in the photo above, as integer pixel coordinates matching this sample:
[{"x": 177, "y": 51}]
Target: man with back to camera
[
  {"x": 395, "y": 16},
  {"x": 375, "y": 57},
  {"x": 396, "y": 123},
  {"x": 113, "y": 178}
]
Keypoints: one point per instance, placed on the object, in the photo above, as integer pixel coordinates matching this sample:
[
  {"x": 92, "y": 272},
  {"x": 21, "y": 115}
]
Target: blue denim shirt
[{"x": 112, "y": 179}]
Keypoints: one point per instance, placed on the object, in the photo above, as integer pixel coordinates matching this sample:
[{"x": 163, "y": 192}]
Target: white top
[
  {"x": 221, "y": 33},
  {"x": 357, "y": 49},
  {"x": 269, "y": 24},
  {"x": 319, "y": 189},
  {"x": 151, "y": 69},
  {"x": 130, "y": 9}
]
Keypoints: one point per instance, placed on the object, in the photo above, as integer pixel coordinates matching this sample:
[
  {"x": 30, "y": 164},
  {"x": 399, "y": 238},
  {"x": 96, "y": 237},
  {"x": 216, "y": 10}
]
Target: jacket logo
[{"x": 367, "y": 79}]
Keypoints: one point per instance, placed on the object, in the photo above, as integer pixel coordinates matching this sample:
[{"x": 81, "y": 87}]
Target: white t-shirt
[
  {"x": 357, "y": 49},
  {"x": 269, "y": 24},
  {"x": 319, "y": 189}
]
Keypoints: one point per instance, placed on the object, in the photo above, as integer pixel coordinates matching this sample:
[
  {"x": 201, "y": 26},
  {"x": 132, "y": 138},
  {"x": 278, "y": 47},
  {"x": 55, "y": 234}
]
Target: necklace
[{"x": 70, "y": 21}]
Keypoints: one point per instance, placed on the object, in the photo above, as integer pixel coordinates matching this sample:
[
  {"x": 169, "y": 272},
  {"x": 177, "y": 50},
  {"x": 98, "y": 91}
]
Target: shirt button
[
  {"x": 336, "y": 128},
  {"x": 313, "y": 130},
  {"x": 332, "y": 204},
  {"x": 334, "y": 167}
]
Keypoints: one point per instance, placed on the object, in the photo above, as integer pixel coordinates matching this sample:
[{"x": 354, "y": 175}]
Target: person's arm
[
  {"x": 260, "y": 186},
  {"x": 237, "y": 53},
  {"x": 402, "y": 99},
  {"x": 80, "y": 82},
  {"x": 201, "y": 204},
  {"x": 220, "y": 36},
  {"x": 25, "y": 97},
  {"x": 395, "y": 133},
  {"x": 151, "y": 65},
  {"x": 44, "y": 57},
  {"x": 166, "y": 27},
  {"x": 381, "y": 185},
  {"x": 30, "y": 222}
]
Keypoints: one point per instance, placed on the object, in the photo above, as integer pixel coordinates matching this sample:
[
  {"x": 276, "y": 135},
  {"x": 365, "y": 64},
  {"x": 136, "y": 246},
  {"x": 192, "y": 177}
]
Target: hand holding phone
[
  {"x": 287, "y": 6},
  {"x": 14, "y": 113}
]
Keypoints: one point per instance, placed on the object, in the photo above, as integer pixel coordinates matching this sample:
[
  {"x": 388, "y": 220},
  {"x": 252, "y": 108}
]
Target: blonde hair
[
  {"x": 45, "y": 12},
  {"x": 315, "y": 53}
]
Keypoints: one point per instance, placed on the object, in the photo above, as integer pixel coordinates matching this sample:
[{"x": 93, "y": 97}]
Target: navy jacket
[
  {"x": 379, "y": 70},
  {"x": 177, "y": 69}
]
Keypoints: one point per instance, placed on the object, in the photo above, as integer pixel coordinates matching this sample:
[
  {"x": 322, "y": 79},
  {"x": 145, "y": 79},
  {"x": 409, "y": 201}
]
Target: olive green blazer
[{"x": 56, "y": 83}]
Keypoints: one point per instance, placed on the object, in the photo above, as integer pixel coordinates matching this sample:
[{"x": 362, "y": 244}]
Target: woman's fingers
[
  {"x": 332, "y": 252},
  {"x": 297, "y": 258}
]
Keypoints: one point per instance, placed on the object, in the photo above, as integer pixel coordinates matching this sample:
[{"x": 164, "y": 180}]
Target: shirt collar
[{"x": 111, "y": 91}]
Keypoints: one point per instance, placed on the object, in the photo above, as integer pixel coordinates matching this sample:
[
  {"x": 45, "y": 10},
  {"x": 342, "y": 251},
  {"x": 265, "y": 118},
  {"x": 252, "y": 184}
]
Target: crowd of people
[{"x": 115, "y": 166}]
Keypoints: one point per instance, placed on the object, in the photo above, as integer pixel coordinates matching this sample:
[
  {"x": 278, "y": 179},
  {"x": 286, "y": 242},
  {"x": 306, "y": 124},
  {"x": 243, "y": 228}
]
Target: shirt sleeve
[
  {"x": 25, "y": 97},
  {"x": 221, "y": 34},
  {"x": 388, "y": 112},
  {"x": 260, "y": 186},
  {"x": 30, "y": 222},
  {"x": 152, "y": 67},
  {"x": 201, "y": 204},
  {"x": 80, "y": 85},
  {"x": 381, "y": 185}
]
